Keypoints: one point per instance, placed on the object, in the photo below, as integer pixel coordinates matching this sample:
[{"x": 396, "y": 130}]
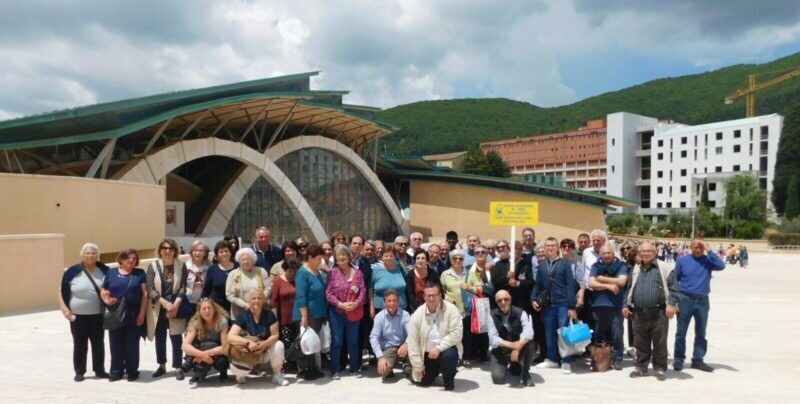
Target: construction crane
[{"x": 750, "y": 91}]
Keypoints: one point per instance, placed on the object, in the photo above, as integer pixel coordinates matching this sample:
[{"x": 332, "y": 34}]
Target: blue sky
[{"x": 59, "y": 54}]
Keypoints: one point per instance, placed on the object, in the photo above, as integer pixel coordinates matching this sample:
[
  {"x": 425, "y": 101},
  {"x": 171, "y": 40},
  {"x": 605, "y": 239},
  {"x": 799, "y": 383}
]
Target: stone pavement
[{"x": 753, "y": 342}]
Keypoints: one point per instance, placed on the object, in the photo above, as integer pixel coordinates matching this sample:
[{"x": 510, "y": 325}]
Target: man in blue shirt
[
  {"x": 388, "y": 336},
  {"x": 266, "y": 252},
  {"x": 608, "y": 278},
  {"x": 694, "y": 275}
]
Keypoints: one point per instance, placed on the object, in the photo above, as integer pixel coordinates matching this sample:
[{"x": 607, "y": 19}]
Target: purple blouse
[{"x": 340, "y": 290}]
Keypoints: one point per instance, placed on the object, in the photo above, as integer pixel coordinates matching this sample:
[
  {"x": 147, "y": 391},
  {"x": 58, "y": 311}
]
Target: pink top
[{"x": 340, "y": 290}]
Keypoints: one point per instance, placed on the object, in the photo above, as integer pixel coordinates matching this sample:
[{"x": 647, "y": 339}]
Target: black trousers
[
  {"x": 650, "y": 328},
  {"x": 86, "y": 329},
  {"x": 221, "y": 364},
  {"x": 476, "y": 346},
  {"x": 446, "y": 364},
  {"x": 539, "y": 333},
  {"x": 501, "y": 366},
  {"x": 162, "y": 326}
]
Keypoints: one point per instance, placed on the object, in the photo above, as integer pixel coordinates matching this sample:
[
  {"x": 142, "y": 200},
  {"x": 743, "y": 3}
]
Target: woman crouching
[
  {"x": 206, "y": 333},
  {"x": 253, "y": 340}
]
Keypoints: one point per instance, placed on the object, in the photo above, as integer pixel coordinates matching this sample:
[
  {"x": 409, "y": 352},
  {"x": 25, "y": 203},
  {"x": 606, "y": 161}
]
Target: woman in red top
[
  {"x": 282, "y": 302},
  {"x": 346, "y": 295}
]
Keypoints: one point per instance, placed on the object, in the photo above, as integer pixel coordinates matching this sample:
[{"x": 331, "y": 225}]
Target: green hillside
[{"x": 444, "y": 126}]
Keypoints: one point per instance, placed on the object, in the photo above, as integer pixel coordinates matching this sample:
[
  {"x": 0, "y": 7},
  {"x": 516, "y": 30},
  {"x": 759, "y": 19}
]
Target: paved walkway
[{"x": 753, "y": 342}]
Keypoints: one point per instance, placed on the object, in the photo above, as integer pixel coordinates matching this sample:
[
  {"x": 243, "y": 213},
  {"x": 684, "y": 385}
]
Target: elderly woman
[
  {"x": 166, "y": 288},
  {"x": 244, "y": 279},
  {"x": 482, "y": 270},
  {"x": 206, "y": 333},
  {"x": 217, "y": 276},
  {"x": 417, "y": 278},
  {"x": 282, "y": 302},
  {"x": 82, "y": 306},
  {"x": 289, "y": 250},
  {"x": 196, "y": 271},
  {"x": 129, "y": 284},
  {"x": 310, "y": 305},
  {"x": 302, "y": 245},
  {"x": 380, "y": 245},
  {"x": 346, "y": 295},
  {"x": 459, "y": 286},
  {"x": 387, "y": 274},
  {"x": 253, "y": 340}
]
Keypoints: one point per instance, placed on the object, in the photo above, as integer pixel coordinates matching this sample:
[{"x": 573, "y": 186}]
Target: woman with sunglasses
[
  {"x": 459, "y": 286},
  {"x": 166, "y": 288}
]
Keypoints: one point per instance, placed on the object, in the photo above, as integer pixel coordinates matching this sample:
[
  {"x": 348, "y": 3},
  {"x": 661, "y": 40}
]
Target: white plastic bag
[
  {"x": 565, "y": 349},
  {"x": 325, "y": 338},
  {"x": 309, "y": 343}
]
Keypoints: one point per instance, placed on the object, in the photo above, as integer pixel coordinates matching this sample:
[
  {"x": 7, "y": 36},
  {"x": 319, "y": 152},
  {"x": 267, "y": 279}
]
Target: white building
[{"x": 663, "y": 164}]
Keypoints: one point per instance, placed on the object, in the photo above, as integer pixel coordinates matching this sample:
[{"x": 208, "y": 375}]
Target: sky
[{"x": 57, "y": 54}]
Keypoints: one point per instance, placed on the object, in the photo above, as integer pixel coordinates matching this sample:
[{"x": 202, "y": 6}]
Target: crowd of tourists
[{"x": 418, "y": 309}]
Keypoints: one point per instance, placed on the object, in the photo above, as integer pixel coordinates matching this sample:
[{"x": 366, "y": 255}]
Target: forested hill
[{"x": 429, "y": 127}]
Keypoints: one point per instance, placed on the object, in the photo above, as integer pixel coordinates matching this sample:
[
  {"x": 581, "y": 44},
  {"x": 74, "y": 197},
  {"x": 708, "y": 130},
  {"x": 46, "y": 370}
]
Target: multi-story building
[
  {"x": 663, "y": 164},
  {"x": 578, "y": 156}
]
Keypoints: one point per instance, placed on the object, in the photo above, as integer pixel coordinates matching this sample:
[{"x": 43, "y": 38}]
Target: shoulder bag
[
  {"x": 117, "y": 316},
  {"x": 96, "y": 289}
]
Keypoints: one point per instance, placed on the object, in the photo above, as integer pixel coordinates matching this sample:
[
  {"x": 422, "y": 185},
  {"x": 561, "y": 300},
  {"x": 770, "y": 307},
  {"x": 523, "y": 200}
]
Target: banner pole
[{"x": 512, "y": 245}]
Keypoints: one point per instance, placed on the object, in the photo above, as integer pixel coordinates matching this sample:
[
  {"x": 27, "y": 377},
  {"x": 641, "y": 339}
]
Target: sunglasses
[
  {"x": 502, "y": 247},
  {"x": 167, "y": 248},
  {"x": 303, "y": 245},
  {"x": 480, "y": 252},
  {"x": 457, "y": 259}
]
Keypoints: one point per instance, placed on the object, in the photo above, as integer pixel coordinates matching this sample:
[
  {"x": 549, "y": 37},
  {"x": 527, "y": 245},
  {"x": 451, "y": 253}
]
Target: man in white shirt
[{"x": 511, "y": 340}]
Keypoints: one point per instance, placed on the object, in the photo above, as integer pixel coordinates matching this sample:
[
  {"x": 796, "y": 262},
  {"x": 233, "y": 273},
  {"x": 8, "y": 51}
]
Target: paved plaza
[{"x": 753, "y": 333}]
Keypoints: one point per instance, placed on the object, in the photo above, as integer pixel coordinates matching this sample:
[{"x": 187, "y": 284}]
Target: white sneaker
[
  {"x": 547, "y": 364},
  {"x": 566, "y": 368},
  {"x": 279, "y": 380},
  {"x": 241, "y": 379}
]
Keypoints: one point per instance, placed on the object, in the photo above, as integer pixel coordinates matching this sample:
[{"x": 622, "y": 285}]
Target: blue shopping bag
[{"x": 576, "y": 333}]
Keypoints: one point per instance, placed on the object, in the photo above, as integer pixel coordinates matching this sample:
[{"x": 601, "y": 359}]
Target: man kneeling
[
  {"x": 511, "y": 339},
  {"x": 388, "y": 336},
  {"x": 434, "y": 339}
]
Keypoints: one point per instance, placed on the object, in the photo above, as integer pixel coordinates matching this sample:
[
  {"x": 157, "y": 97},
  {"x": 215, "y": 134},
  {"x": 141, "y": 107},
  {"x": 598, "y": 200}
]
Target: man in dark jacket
[
  {"x": 266, "y": 253},
  {"x": 554, "y": 275},
  {"x": 511, "y": 339},
  {"x": 607, "y": 279},
  {"x": 518, "y": 282}
]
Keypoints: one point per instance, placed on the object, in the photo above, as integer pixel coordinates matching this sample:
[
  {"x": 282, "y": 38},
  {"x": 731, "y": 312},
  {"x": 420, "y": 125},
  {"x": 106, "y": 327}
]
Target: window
[
  {"x": 670, "y": 157},
  {"x": 762, "y": 164},
  {"x": 719, "y": 135},
  {"x": 661, "y": 156},
  {"x": 712, "y": 186},
  {"x": 764, "y": 147},
  {"x": 737, "y": 134},
  {"x": 695, "y": 154},
  {"x": 683, "y": 172},
  {"x": 762, "y": 182},
  {"x": 751, "y": 149},
  {"x": 706, "y": 139},
  {"x": 661, "y": 143},
  {"x": 695, "y": 140},
  {"x": 713, "y": 204},
  {"x": 718, "y": 150},
  {"x": 737, "y": 148},
  {"x": 697, "y": 189},
  {"x": 683, "y": 190},
  {"x": 613, "y": 142},
  {"x": 683, "y": 204},
  {"x": 735, "y": 168},
  {"x": 718, "y": 169},
  {"x": 751, "y": 167},
  {"x": 751, "y": 134},
  {"x": 660, "y": 174},
  {"x": 658, "y": 205},
  {"x": 705, "y": 154},
  {"x": 764, "y": 132},
  {"x": 669, "y": 205},
  {"x": 670, "y": 191},
  {"x": 683, "y": 154},
  {"x": 612, "y": 169},
  {"x": 684, "y": 140},
  {"x": 660, "y": 190}
]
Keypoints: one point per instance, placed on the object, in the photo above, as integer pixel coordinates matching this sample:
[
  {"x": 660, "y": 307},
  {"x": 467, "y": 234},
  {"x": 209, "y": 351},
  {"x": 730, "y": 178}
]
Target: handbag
[
  {"x": 295, "y": 352},
  {"x": 186, "y": 309},
  {"x": 576, "y": 333},
  {"x": 239, "y": 352},
  {"x": 565, "y": 349},
  {"x": 357, "y": 313},
  {"x": 601, "y": 356},
  {"x": 117, "y": 316},
  {"x": 480, "y": 314}
]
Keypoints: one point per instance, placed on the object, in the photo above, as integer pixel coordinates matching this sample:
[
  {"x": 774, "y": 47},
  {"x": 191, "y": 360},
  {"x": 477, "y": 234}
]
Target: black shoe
[
  {"x": 661, "y": 375},
  {"x": 133, "y": 377},
  {"x": 311, "y": 374},
  {"x": 389, "y": 375},
  {"x": 677, "y": 366},
  {"x": 160, "y": 371},
  {"x": 195, "y": 379},
  {"x": 638, "y": 373},
  {"x": 113, "y": 377},
  {"x": 101, "y": 375},
  {"x": 449, "y": 387},
  {"x": 78, "y": 377},
  {"x": 179, "y": 374},
  {"x": 617, "y": 365},
  {"x": 466, "y": 364},
  {"x": 223, "y": 376},
  {"x": 702, "y": 366}
]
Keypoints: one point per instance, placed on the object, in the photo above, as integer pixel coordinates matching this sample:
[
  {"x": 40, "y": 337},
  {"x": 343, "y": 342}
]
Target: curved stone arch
[
  {"x": 154, "y": 167},
  {"x": 231, "y": 197}
]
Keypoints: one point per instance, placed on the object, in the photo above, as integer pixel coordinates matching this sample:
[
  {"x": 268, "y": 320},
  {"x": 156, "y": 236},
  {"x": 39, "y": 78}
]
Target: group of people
[{"x": 407, "y": 305}]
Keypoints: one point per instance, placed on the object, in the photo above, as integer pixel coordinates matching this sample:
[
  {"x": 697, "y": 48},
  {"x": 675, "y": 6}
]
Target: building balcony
[
  {"x": 643, "y": 153},
  {"x": 642, "y": 183}
]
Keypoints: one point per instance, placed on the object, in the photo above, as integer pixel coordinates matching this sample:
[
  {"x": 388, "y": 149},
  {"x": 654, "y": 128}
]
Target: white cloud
[{"x": 402, "y": 51}]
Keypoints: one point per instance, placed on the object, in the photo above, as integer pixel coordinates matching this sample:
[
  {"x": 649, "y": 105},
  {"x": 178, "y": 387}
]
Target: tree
[
  {"x": 787, "y": 162},
  {"x": 496, "y": 166},
  {"x": 704, "y": 195},
  {"x": 744, "y": 202},
  {"x": 475, "y": 162},
  {"x": 792, "y": 208}
]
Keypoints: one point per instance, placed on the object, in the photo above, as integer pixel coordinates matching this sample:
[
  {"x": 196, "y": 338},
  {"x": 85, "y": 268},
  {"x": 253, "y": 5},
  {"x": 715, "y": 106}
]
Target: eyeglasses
[
  {"x": 457, "y": 259},
  {"x": 480, "y": 252},
  {"x": 431, "y": 296},
  {"x": 503, "y": 299},
  {"x": 402, "y": 243},
  {"x": 303, "y": 245},
  {"x": 527, "y": 236},
  {"x": 416, "y": 239},
  {"x": 340, "y": 238},
  {"x": 568, "y": 247},
  {"x": 502, "y": 247},
  {"x": 167, "y": 248}
]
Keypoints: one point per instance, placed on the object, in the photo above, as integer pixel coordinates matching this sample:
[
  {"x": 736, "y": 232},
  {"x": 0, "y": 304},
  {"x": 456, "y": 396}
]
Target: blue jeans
[
  {"x": 692, "y": 306},
  {"x": 555, "y": 317},
  {"x": 609, "y": 329},
  {"x": 340, "y": 324}
]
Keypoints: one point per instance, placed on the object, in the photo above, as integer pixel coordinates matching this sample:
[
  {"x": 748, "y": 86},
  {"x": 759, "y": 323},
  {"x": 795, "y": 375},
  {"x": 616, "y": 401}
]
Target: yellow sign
[{"x": 513, "y": 213}]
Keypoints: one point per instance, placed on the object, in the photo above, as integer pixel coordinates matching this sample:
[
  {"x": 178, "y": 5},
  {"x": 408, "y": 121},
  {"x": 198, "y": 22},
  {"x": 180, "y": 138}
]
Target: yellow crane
[{"x": 750, "y": 91}]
